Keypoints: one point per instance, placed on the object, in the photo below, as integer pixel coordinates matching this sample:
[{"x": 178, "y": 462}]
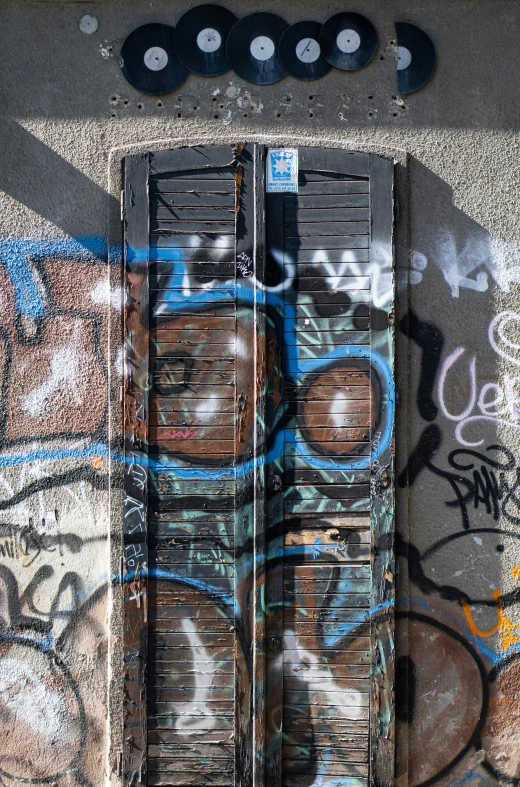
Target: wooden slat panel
[
  {"x": 312, "y": 213},
  {"x": 305, "y": 200},
  {"x": 192, "y": 402},
  {"x": 324, "y": 242},
  {"x": 344, "y": 229},
  {"x": 134, "y": 565},
  {"x": 328, "y": 419},
  {"x": 382, "y": 738}
]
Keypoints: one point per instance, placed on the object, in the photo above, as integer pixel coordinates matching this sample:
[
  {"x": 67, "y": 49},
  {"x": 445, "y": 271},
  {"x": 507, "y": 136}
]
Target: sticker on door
[{"x": 282, "y": 170}]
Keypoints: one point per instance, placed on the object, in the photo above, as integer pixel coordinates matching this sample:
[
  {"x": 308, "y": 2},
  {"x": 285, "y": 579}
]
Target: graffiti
[
  {"x": 53, "y": 499},
  {"x": 484, "y": 257},
  {"x": 244, "y": 265},
  {"x": 495, "y": 403},
  {"x": 431, "y": 341},
  {"x": 286, "y": 370}
]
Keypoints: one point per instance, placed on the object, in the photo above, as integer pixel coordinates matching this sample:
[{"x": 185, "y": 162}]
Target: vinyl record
[
  {"x": 200, "y": 39},
  {"x": 252, "y": 48},
  {"x": 300, "y": 51},
  {"x": 348, "y": 41},
  {"x": 149, "y": 61},
  {"x": 416, "y": 58}
]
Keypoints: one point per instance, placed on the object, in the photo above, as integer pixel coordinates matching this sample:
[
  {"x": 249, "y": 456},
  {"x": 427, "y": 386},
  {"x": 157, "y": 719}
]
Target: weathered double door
[{"x": 258, "y": 444}]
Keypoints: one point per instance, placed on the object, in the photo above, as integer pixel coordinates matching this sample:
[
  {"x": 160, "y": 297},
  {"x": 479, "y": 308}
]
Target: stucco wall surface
[{"x": 68, "y": 117}]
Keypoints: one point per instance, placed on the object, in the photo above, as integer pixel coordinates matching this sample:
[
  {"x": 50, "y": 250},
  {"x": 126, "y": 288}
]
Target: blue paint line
[
  {"x": 198, "y": 584},
  {"x": 97, "y": 449},
  {"x": 346, "y": 629},
  {"x": 16, "y": 255}
]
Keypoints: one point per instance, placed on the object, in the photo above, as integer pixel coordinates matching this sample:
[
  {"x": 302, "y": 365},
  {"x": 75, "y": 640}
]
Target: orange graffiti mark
[
  {"x": 504, "y": 625},
  {"x": 516, "y": 572}
]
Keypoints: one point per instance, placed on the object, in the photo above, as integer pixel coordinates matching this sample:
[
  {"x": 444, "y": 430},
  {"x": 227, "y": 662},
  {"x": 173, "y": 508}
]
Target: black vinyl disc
[
  {"x": 200, "y": 39},
  {"x": 300, "y": 51},
  {"x": 149, "y": 61},
  {"x": 416, "y": 57},
  {"x": 348, "y": 41},
  {"x": 252, "y": 48}
]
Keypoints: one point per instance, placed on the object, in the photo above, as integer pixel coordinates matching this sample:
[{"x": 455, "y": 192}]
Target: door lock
[{"x": 274, "y": 482}]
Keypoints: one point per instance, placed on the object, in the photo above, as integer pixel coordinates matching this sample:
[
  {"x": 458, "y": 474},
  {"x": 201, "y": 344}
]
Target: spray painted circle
[{"x": 41, "y": 706}]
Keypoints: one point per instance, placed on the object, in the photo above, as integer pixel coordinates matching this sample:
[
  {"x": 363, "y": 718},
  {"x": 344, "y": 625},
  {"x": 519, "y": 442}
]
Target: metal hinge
[{"x": 122, "y": 205}]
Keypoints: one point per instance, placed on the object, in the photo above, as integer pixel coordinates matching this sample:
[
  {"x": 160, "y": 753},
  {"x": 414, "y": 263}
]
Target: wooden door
[{"x": 258, "y": 503}]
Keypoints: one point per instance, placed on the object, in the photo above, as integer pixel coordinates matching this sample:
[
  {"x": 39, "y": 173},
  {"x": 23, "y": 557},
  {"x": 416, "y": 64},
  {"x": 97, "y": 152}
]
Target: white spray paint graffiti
[
  {"x": 319, "y": 679},
  {"x": 197, "y": 714},
  {"x": 498, "y": 259},
  {"x": 64, "y": 369},
  {"x": 496, "y": 402}
]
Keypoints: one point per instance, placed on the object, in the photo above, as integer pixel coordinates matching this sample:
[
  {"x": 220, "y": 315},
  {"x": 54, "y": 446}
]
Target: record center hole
[
  {"x": 244, "y": 115},
  {"x": 394, "y": 114},
  {"x": 311, "y": 98},
  {"x": 221, "y": 106},
  {"x": 216, "y": 117},
  {"x": 370, "y": 114},
  {"x": 371, "y": 97},
  {"x": 213, "y": 98},
  {"x": 159, "y": 104}
]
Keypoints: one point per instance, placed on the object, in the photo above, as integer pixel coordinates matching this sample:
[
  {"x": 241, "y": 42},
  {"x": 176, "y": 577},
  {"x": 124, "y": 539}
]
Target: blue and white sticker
[{"x": 282, "y": 169}]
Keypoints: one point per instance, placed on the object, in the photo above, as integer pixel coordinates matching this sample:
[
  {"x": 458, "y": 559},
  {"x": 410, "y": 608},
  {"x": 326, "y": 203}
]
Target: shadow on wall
[
  {"x": 40, "y": 179},
  {"x": 458, "y": 544}
]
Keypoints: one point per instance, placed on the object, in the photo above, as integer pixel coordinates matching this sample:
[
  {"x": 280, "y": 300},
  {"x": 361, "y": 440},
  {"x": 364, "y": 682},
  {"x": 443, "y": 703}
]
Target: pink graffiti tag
[{"x": 185, "y": 434}]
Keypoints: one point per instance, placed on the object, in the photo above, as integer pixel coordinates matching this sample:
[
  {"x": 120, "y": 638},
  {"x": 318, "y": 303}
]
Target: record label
[
  {"x": 156, "y": 58},
  {"x": 300, "y": 51},
  {"x": 307, "y": 50},
  {"x": 262, "y": 48},
  {"x": 404, "y": 58},
  {"x": 252, "y": 48},
  {"x": 200, "y": 39},
  {"x": 209, "y": 40},
  {"x": 416, "y": 58},
  {"x": 149, "y": 62},
  {"x": 348, "y": 41}
]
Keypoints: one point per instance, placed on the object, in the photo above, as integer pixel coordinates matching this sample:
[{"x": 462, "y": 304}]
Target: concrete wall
[{"x": 68, "y": 117}]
